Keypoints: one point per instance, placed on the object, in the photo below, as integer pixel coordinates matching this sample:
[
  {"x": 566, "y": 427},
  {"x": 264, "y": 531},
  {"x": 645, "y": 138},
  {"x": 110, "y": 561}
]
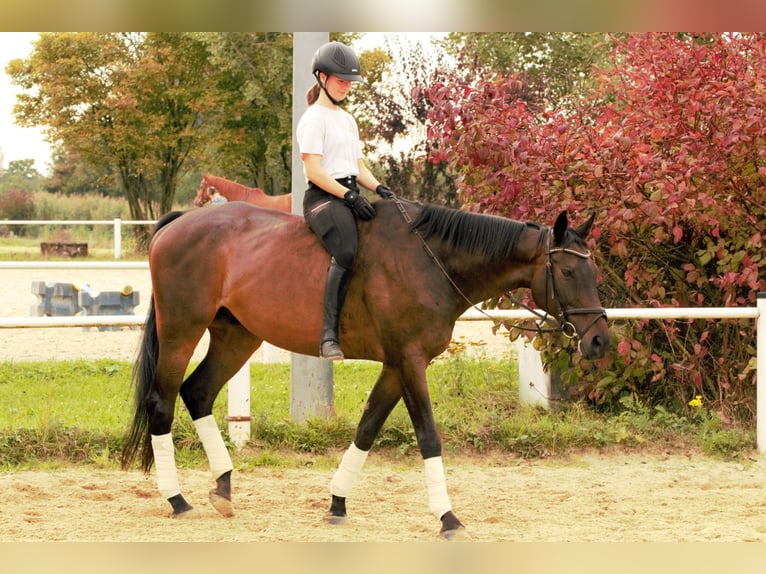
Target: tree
[
  {"x": 136, "y": 103},
  {"x": 254, "y": 142},
  {"x": 554, "y": 67},
  {"x": 392, "y": 112},
  {"x": 669, "y": 147},
  {"x": 21, "y": 175}
]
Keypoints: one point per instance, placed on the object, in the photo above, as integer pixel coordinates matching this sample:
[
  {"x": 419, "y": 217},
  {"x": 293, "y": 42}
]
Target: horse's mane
[{"x": 489, "y": 235}]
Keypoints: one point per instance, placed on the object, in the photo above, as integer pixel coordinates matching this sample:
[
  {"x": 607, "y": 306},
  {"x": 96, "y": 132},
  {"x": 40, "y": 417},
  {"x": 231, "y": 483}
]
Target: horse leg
[
  {"x": 383, "y": 398},
  {"x": 162, "y": 407},
  {"x": 418, "y": 403},
  {"x": 230, "y": 347}
]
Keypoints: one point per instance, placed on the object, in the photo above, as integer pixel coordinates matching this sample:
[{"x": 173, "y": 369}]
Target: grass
[
  {"x": 100, "y": 248},
  {"x": 77, "y": 412}
]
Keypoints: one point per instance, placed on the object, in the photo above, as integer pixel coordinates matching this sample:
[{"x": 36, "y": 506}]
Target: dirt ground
[
  {"x": 584, "y": 498},
  {"x": 587, "y": 498}
]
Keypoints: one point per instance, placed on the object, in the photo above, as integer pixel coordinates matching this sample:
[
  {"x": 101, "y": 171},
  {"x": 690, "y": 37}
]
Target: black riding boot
[{"x": 334, "y": 296}]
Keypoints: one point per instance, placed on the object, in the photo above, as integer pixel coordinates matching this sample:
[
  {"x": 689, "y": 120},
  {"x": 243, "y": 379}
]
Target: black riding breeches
[{"x": 331, "y": 218}]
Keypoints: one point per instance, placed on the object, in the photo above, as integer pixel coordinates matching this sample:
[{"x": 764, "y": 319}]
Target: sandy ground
[
  {"x": 604, "y": 498},
  {"x": 591, "y": 497}
]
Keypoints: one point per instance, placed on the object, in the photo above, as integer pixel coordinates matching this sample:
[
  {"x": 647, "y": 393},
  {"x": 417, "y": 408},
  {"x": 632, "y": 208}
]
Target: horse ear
[
  {"x": 560, "y": 228},
  {"x": 584, "y": 229}
]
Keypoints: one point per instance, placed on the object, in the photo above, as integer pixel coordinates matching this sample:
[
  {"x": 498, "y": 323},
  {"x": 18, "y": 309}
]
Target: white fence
[
  {"x": 758, "y": 313},
  {"x": 116, "y": 223}
]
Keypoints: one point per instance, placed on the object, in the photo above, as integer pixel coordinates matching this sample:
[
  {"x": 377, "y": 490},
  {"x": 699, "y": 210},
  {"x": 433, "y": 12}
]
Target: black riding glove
[
  {"x": 384, "y": 192},
  {"x": 362, "y": 208}
]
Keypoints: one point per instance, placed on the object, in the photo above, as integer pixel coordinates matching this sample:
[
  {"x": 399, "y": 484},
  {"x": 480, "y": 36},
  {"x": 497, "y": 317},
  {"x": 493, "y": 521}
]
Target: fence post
[
  {"x": 239, "y": 406},
  {"x": 117, "y": 238},
  {"x": 760, "y": 382}
]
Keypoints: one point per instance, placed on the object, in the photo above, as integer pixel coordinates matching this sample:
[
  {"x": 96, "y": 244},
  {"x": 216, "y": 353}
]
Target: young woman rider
[{"x": 328, "y": 139}]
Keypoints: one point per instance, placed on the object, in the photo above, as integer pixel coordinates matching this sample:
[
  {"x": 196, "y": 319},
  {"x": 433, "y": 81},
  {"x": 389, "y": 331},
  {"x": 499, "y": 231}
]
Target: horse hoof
[
  {"x": 334, "y": 519},
  {"x": 221, "y": 504},
  {"x": 455, "y": 534},
  {"x": 190, "y": 512}
]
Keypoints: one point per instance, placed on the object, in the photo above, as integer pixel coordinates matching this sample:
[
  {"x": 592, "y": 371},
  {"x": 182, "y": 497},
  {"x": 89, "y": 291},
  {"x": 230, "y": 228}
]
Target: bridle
[
  {"x": 562, "y": 323},
  {"x": 566, "y": 327}
]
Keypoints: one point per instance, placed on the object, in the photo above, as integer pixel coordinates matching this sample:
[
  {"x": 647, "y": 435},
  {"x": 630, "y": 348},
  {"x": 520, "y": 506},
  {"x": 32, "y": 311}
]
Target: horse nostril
[
  {"x": 596, "y": 347},
  {"x": 599, "y": 345}
]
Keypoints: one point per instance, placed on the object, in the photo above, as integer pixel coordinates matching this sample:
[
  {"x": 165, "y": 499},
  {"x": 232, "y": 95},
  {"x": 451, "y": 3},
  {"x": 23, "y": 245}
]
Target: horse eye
[{"x": 567, "y": 273}]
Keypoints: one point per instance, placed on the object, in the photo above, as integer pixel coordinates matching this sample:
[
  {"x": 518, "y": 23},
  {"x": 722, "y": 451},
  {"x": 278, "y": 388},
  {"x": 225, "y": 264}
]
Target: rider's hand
[
  {"x": 362, "y": 208},
  {"x": 384, "y": 192}
]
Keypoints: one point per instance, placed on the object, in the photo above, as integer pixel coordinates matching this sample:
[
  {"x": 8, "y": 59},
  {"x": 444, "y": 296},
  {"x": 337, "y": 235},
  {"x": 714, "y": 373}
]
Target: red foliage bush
[
  {"x": 16, "y": 204},
  {"x": 670, "y": 150}
]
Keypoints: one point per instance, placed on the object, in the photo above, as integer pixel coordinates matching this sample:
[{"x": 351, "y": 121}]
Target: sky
[{"x": 18, "y": 143}]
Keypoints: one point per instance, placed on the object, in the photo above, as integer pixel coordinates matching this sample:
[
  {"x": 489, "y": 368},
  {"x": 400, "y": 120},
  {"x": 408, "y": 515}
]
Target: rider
[
  {"x": 215, "y": 196},
  {"x": 328, "y": 139}
]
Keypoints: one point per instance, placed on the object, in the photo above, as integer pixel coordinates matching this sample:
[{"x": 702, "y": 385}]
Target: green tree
[
  {"x": 21, "y": 175},
  {"x": 134, "y": 103},
  {"x": 553, "y": 66},
  {"x": 253, "y": 145}
]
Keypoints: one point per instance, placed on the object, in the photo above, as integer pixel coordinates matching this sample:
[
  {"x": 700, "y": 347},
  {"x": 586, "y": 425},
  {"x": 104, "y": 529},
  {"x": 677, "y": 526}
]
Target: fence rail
[
  {"x": 116, "y": 223},
  {"x": 758, "y": 313}
]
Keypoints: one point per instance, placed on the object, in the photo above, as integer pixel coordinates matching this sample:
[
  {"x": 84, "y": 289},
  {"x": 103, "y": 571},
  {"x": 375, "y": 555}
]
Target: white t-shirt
[{"x": 333, "y": 134}]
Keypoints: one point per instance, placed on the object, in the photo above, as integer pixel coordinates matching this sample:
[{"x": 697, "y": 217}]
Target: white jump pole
[{"x": 239, "y": 406}]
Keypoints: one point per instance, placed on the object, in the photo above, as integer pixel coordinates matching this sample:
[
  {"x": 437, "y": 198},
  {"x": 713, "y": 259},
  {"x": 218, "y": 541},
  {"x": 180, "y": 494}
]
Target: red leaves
[{"x": 670, "y": 148}]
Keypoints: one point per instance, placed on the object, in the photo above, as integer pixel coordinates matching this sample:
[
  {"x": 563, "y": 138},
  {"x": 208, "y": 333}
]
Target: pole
[
  {"x": 760, "y": 389},
  {"x": 311, "y": 378},
  {"x": 239, "y": 406},
  {"x": 117, "y": 238}
]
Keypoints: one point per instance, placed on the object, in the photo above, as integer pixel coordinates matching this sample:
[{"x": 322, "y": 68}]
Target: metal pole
[
  {"x": 760, "y": 382},
  {"x": 311, "y": 378}
]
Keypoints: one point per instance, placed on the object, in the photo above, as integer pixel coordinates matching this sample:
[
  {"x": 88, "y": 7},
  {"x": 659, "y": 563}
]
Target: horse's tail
[{"x": 144, "y": 372}]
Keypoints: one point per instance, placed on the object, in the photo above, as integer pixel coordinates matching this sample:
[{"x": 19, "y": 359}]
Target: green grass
[
  {"x": 77, "y": 412},
  {"x": 100, "y": 248}
]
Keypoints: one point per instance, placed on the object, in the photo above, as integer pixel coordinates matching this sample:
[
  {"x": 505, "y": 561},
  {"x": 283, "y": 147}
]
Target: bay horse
[
  {"x": 234, "y": 191},
  {"x": 232, "y": 271}
]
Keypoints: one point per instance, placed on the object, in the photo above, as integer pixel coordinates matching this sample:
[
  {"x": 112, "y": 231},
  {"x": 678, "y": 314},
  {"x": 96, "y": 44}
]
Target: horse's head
[
  {"x": 203, "y": 193},
  {"x": 566, "y": 286}
]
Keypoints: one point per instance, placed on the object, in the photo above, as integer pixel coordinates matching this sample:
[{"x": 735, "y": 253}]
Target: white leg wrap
[
  {"x": 345, "y": 477},
  {"x": 165, "y": 462},
  {"x": 438, "y": 500},
  {"x": 215, "y": 448}
]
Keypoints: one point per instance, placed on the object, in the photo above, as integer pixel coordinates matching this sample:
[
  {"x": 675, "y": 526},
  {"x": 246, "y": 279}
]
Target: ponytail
[{"x": 313, "y": 94}]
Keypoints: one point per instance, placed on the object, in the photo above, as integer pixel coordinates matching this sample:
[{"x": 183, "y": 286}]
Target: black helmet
[{"x": 336, "y": 59}]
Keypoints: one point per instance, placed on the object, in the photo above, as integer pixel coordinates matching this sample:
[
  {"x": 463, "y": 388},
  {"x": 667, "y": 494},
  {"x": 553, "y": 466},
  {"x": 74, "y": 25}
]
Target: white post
[
  {"x": 534, "y": 382},
  {"x": 272, "y": 354},
  {"x": 239, "y": 406},
  {"x": 760, "y": 382},
  {"x": 117, "y": 238}
]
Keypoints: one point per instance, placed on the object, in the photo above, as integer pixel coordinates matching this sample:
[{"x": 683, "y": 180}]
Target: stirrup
[{"x": 330, "y": 350}]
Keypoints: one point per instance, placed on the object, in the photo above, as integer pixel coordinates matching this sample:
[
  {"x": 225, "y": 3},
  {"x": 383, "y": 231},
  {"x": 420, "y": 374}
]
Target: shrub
[
  {"x": 16, "y": 204},
  {"x": 670, "y": 149}
]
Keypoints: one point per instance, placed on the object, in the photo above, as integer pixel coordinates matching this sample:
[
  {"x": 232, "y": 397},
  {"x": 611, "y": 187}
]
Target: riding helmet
[{"x": 336, "y": 59}]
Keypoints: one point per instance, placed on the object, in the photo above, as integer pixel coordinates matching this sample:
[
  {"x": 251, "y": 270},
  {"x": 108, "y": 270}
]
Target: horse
[
  {"x": 232, "y": 270},
  {"x": 234, "y": 191}
]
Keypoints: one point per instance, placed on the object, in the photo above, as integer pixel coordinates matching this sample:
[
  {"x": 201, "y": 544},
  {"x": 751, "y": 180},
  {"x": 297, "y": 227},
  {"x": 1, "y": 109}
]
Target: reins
[{"x": 565, "y": 327}]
